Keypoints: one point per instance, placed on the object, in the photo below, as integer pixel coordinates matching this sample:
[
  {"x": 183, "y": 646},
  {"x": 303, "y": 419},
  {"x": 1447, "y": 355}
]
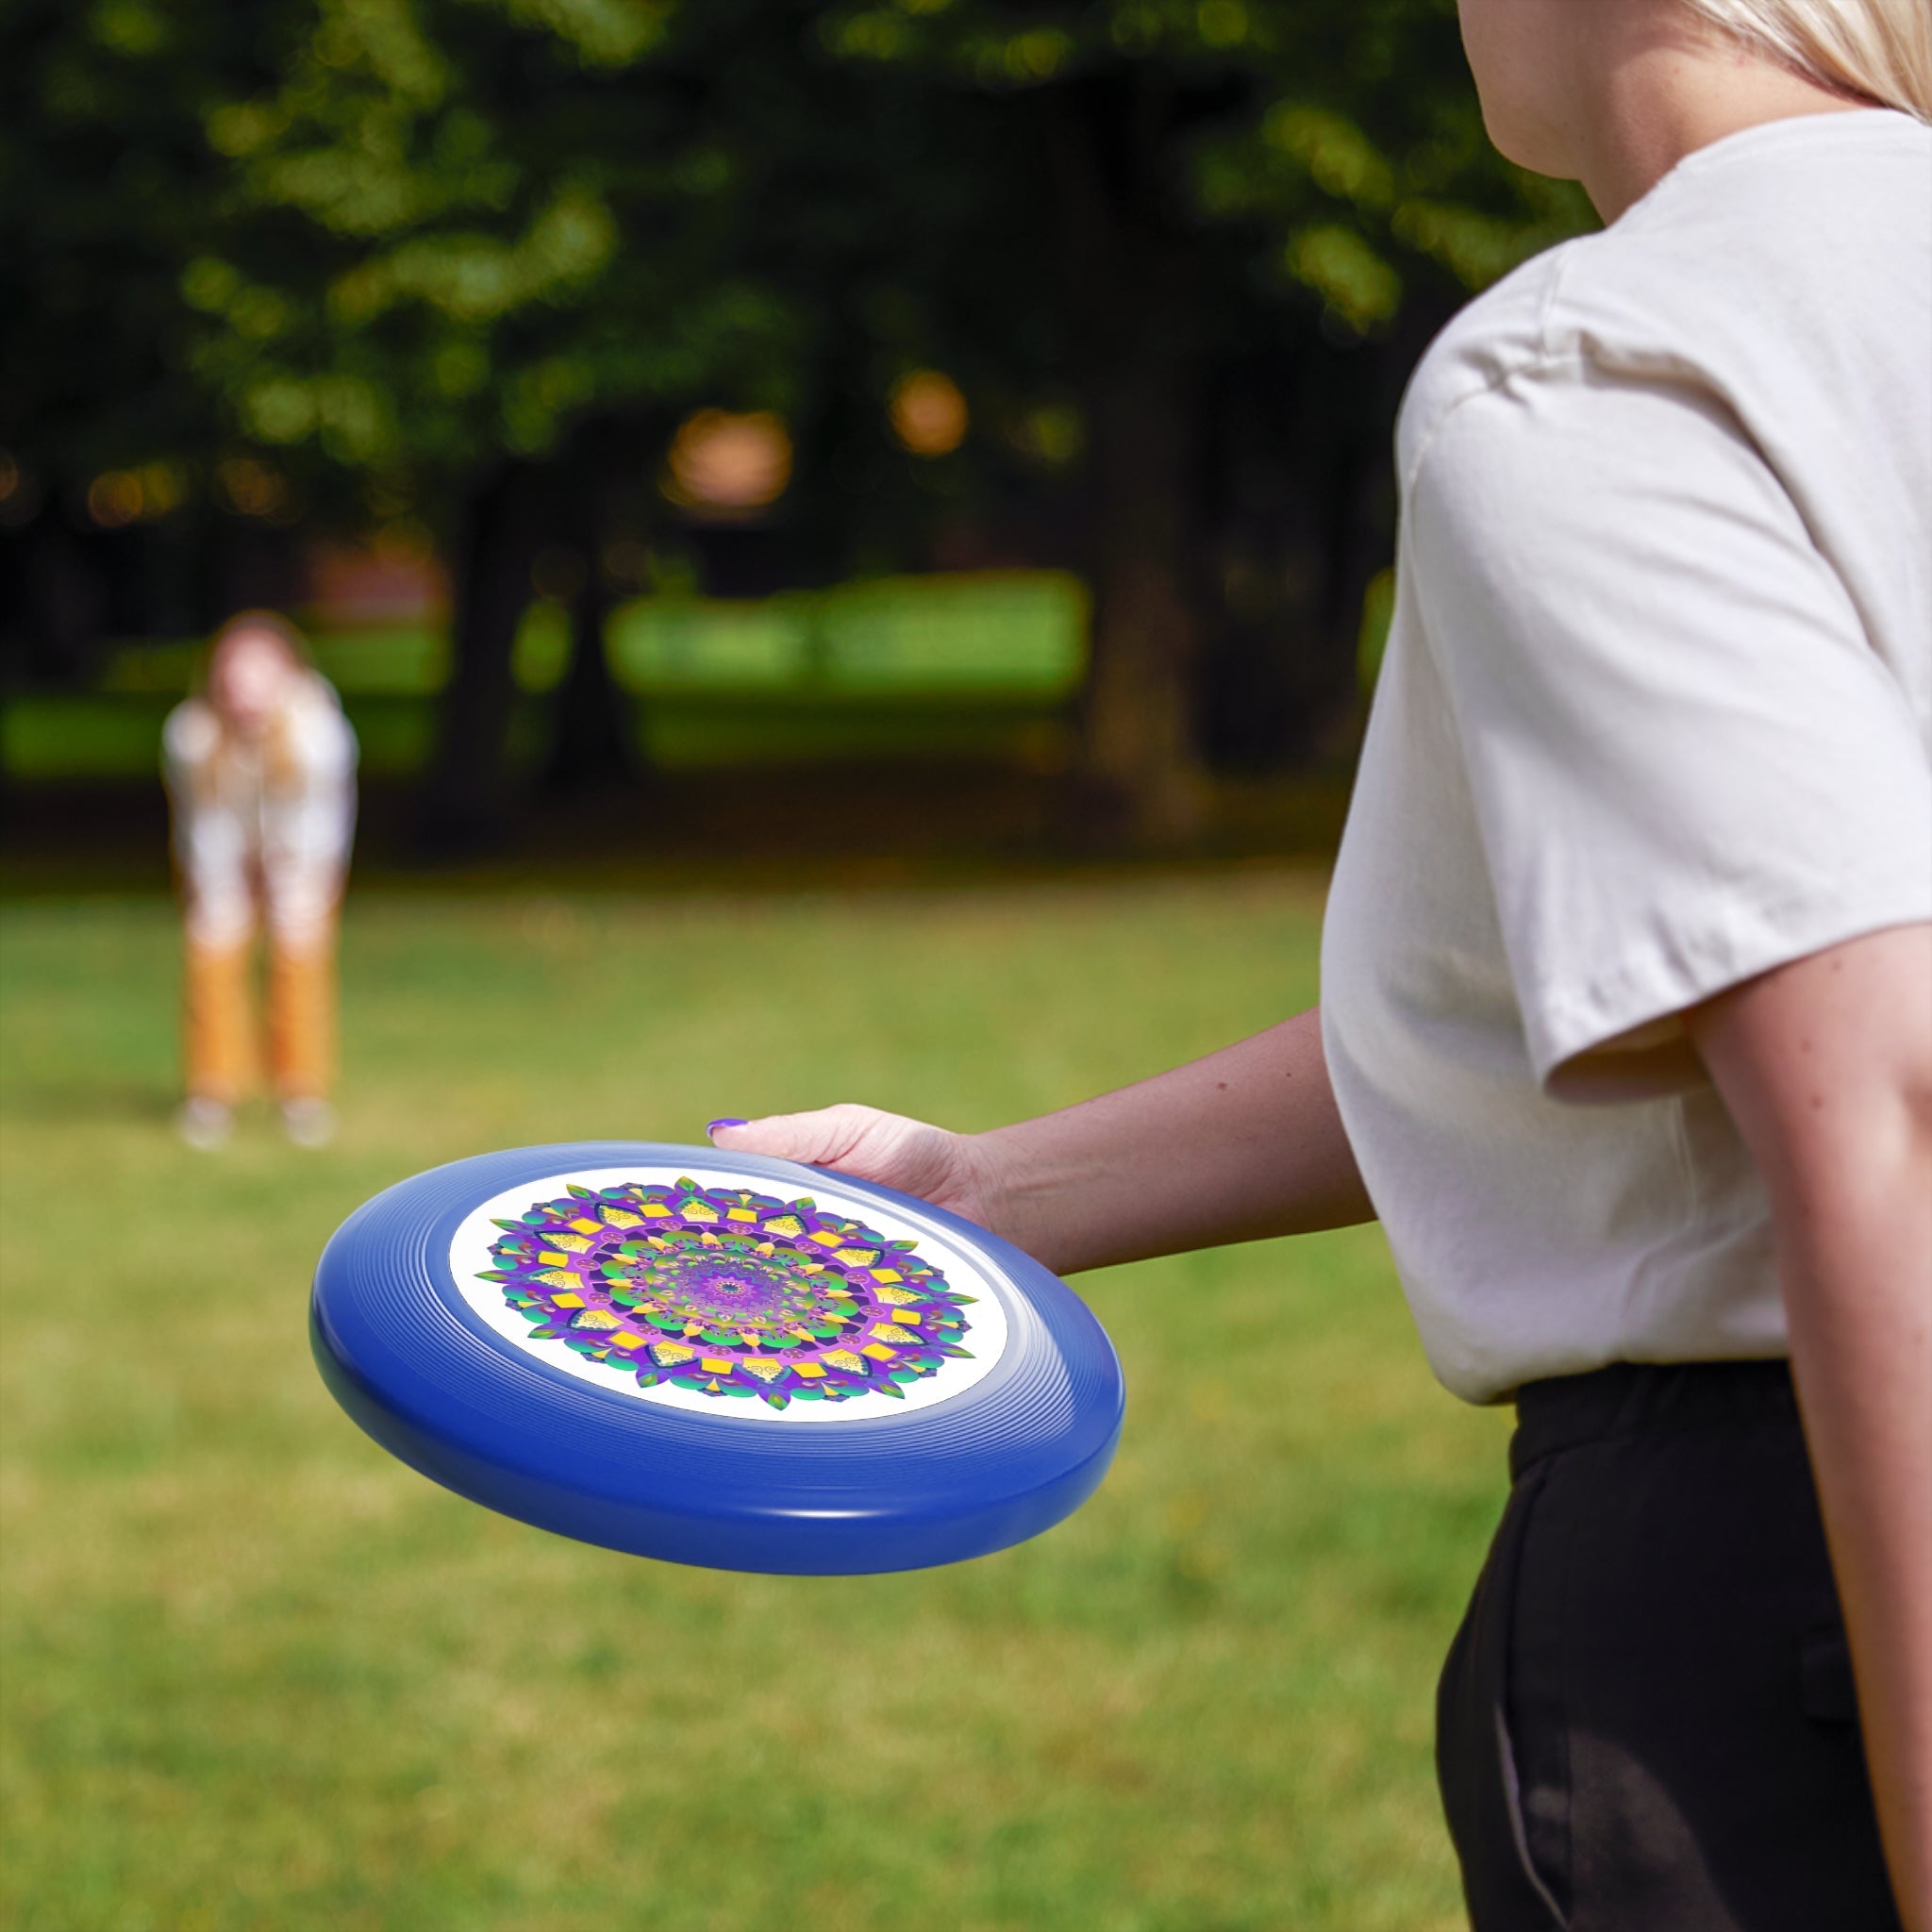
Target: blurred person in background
[
  {"x": 260, "y": 769},
  {"x": 1626, "y": 1021}
]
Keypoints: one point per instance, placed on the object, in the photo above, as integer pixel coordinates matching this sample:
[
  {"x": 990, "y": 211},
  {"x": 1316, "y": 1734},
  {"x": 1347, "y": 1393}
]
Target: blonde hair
[
  {"x": 282, "y": 768},
  {"x": 1880, "y": 50},
  {"x": 256, "y": 622}
]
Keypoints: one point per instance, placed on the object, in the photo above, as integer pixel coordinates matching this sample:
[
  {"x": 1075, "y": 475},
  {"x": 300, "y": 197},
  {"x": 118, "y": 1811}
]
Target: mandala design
[{"x": 728, "y": 1292}]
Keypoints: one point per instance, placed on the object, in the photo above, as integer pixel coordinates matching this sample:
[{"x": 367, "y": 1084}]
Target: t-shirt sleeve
[
  {"x": 1688, "y": 763},
  {"x": 188, "y": 739}
]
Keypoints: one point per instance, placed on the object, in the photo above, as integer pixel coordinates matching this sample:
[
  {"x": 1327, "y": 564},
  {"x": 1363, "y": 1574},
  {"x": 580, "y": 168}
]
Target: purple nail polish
[{"x": 714, "y": 1125}]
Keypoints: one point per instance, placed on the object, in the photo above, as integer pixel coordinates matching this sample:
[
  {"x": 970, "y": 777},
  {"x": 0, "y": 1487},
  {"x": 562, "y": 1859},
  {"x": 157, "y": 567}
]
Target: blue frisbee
[{"x": 716, "y": 1359}]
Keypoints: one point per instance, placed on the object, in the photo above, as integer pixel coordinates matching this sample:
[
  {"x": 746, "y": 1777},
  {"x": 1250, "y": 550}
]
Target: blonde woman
[
  {"x": 1626, "y": 1031},
  {"x": 260, "y": 768}
]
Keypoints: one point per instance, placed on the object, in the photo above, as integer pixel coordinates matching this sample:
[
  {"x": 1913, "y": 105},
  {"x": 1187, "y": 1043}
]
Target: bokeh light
[
  {"x": 1050, "y": 433},
  {"x": 250, "y": 489},
  {"x": 114, "y": 499},
  {"x": 727, "y": 464},
  {"x": 929, "y": 415}
]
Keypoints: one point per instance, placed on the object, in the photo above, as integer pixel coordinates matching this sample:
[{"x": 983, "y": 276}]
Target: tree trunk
[
  {"x": 591, "y": 743},
  {"x": 62, "y": 600},
  {"x": 1139, "y": 738},
  {"x": 466, "y": 802},
  {"x": 1132, "y": 302}
]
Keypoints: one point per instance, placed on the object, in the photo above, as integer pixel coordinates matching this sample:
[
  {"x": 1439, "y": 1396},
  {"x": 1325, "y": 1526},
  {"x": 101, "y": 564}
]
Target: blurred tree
[
  {"x": 107, "y": 189},
  {"x": 512, "y": 231},
  {"x": 471, "y": 261},
  {"x": 530, "y": 238},
  {"x": 1234, "y": 194}
]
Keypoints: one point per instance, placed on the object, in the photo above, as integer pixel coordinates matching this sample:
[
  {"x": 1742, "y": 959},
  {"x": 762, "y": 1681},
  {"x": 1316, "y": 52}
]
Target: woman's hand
[
  {"x": 1237, "y": 1147},
  {"x": 949, "y": 1170}
]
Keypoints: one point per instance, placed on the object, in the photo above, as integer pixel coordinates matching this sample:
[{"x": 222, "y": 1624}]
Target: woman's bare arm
[
  {"x": 1826, "y": 1068},
  {"x": 1243, "y": 1145}
]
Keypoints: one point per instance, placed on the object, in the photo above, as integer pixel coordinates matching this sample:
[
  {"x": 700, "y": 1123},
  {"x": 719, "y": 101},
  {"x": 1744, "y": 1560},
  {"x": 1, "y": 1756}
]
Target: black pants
[{"x": 1646, "y": 1721}]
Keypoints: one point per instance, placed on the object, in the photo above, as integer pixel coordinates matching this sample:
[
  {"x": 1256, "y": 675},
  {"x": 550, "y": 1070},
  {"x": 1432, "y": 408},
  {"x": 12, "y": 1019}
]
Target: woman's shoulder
[
  {"x": 1500, "y": 333},
  {"x": 1757, "y": 263},
  {"x": 315, "y": 695},
  {"x": 321, "y": 735},
  {"x": 192, "y": 733}
]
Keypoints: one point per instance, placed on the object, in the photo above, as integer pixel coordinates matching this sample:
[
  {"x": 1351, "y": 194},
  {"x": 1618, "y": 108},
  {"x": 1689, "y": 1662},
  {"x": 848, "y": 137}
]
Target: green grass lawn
[{"x": 256, "y": 1674}]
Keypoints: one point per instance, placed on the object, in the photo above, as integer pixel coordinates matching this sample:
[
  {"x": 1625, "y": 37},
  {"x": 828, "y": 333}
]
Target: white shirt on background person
[{"x": 266, "y": 822}]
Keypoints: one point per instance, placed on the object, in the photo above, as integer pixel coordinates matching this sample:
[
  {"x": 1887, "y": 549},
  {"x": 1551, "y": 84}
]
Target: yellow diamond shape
[
  {"x": 567, "y": 1301},
  {"x": 740, "y": 1214},
  {"x": 624, "y": 1338},
  {"x": 879, "y": 1354},
  {"x": 584, "y": 1227},
  {"x": 887, "y": 1274},
  {"x": 810, "y": 1370},
  {"x": 716, "y": 1364}
]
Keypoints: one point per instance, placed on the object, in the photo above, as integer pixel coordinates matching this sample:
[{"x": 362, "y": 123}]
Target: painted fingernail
[{"x": 714, "y": 1125}]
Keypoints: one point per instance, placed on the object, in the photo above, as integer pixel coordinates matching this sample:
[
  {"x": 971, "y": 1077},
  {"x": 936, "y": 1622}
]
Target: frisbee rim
[{"x": 504, "y": 1438}]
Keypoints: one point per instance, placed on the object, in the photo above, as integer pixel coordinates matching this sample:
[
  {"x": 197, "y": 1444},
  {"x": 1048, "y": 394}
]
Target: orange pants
[{"x": 222, "y": 1046}]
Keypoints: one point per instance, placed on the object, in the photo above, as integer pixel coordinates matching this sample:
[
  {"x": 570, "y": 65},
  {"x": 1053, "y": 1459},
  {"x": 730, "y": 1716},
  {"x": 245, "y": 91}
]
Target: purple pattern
[{"x": 729, "y": 1292}]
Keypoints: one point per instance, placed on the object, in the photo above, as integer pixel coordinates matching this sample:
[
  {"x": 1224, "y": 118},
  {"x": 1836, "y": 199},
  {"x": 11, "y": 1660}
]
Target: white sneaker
[
  {"x": 308, "y": 1122},
  {"x": 204, "y": 1123}
]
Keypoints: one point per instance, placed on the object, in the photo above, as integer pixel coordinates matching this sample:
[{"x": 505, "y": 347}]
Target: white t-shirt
[
  {"x": 251, "y": 823},
  {"x": 1656, "y": 716}
]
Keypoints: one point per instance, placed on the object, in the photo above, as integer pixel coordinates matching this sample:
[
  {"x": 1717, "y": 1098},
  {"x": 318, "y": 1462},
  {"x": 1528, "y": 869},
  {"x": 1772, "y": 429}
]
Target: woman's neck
[{"x": 1656, "y": 96}]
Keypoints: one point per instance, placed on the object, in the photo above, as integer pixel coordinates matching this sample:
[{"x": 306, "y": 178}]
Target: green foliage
[
  {"x": 107, "y": 189},
  {"x": 398, "y": 237},
  {"x": 499, "y": 239},
  {"x": 1347, "y": 133},
  {"x": 257, "y": 1674}
]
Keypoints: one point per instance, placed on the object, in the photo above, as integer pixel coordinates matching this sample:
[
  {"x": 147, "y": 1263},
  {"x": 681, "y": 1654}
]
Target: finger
[{"x": 817, "y": 1139}]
